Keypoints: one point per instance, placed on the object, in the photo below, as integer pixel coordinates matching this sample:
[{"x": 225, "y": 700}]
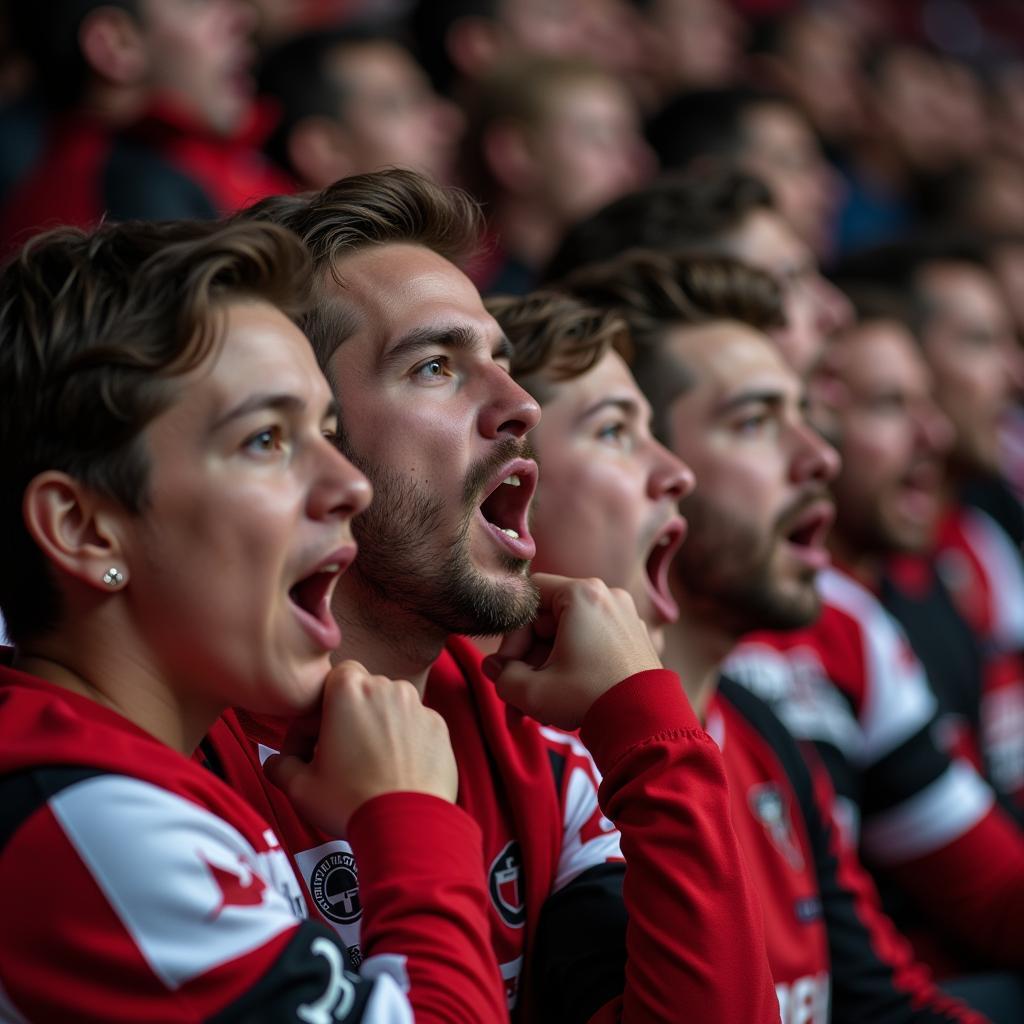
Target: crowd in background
[{"x": 865, "y": 158}]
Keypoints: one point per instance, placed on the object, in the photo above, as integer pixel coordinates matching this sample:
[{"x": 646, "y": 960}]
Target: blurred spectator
[
  {"x": 550, "y": 141},
  {"x": 354, "y": 100},
  {"x": 731, "y": 214},
  {"x": 763, "y": 134},
  {"x": 153, "y": 113}
]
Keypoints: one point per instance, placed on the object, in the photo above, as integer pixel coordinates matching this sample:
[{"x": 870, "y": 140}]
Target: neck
[
  {"x": 383, "y": 637},
  {"x": 106, "y": 666},
  {"x": 695, "y": 647},
  {"x": 527, "y": 232},
  {"x": 863, "y": 566},
  {"x": 114, "y": 105}
]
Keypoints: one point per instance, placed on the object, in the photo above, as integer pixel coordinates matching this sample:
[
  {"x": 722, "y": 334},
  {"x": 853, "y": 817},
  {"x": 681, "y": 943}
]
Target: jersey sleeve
[
  {"x": 695, "y": 938},
  {"x": 128, "y": 902}
]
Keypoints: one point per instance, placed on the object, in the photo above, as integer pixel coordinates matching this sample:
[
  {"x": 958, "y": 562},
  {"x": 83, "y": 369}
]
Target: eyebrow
[
  {"x": 280, "y": 401},
  {"x": 768, "y": 397},
  {"x": 454, "y": 336},
  {"x": 626, "y": 405}
]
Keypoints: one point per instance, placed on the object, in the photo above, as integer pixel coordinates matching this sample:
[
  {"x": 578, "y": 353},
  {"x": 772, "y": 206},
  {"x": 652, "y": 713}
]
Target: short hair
[
  {"x": 357, "y": 213},
  {"x": 707, "y": 123},
  {"x": 94, "y": 331},
  {"x": 298, "y": 77},
  {"x": 657, "y": 291},
  {"x": 556, "y": 337},
  {"x": 692, "y": 211},
  {"x": 521, "y": 90},
  {"x": 48, "y": 34}
]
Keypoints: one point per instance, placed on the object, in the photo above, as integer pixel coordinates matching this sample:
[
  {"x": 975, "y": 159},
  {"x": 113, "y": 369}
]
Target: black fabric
[
  {"x": 138, "y": 184},
  {"x": 313, "y": 971},
  {"x": 581, "y": 946},
  {"x": 992, "y": 495},
  {"x": 25, "y": 792}
]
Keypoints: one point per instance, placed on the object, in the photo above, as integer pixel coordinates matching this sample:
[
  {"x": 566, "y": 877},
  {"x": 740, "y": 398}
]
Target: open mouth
[
  {"x": 666, "y": 543},
  {"x": 506, "y": 506},
  {"x": 807, "y": 533},
  {"x": 310, "y": 597}
]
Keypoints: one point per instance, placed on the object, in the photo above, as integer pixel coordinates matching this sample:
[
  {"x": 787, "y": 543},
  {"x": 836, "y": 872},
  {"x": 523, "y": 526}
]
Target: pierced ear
[
  {"x": 77, "y": 530},
  {"x": 111, "y": 42},
  {"x": 317, "y": 152}
]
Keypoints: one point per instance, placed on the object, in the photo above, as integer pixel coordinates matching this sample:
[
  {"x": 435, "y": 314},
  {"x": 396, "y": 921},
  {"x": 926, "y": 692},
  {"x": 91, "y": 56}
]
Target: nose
[
  {"x": 670, "y": 476},
  {"x": 813, "y": 458},
  {"x": 507, "y": 410},
  {"x": 341, "y": 490}
]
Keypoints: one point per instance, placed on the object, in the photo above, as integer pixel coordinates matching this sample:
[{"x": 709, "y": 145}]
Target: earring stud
[{"x": 113, "y": 577}]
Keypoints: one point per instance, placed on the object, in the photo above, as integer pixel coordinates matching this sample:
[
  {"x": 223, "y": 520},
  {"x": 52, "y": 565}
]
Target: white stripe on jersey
[
  {"x": 150, "y": 853},
  {"x": 1002, "y": 562},
  {"x": 937, "y": 815},
  {"x": 581, "y": 805},
  {"x": 898, "y": 700}
]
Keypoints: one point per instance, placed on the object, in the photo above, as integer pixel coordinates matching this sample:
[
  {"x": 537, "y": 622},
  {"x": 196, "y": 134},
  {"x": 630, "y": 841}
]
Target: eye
[
  {"x": 753, "y": 423},
  {"x": 615, "y": 432},
  {"x": 432, "y": 369},
  {"x": 270, "y": 439}
]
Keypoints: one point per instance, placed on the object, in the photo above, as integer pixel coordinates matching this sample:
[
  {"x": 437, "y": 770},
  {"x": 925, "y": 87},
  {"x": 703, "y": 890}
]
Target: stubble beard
[
  {"x": 727, "y": 568},
  {"x": 406, "y": 560}
]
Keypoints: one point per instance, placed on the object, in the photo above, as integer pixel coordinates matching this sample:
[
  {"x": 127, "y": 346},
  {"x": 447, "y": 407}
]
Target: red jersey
[
  {"x": 927, "y": 823},
  {"x": 983, "y": 572},
  {"x": 548, "y": 845},
  {"x": 139, "y": 887},
  {"x": 834, "y": 955}
]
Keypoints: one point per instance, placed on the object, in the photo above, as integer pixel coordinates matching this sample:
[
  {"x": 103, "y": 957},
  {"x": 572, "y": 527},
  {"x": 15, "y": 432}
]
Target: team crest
[
  {"x": 505, "y": 881},
  {"x": 768, "y": 805},
  {"x": 334, "y": 886}
]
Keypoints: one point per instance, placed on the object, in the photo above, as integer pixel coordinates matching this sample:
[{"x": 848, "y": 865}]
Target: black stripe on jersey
[
  {"x": 581, "y": 946},
  {"x": 212, "y": 759},
  {"x": 903, "y": 772},
  {"x": 303, "y": 976},
  {"x": 863, "y": 984},
  {"x": 25, "y": 792},
  {"x": 558, "y": 762}
]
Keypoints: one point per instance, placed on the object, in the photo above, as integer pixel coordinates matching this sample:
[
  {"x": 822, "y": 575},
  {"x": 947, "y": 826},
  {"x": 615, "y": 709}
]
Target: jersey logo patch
[
  {"x": 768, "y": 805},
  {"x": 236, "y": 890},
  {"x": 334, "y": 885},
  {"x": 505, "y": 882}
]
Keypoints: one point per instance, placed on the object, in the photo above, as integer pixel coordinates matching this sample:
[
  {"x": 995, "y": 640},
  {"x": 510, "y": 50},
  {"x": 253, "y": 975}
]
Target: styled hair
[
  {"x": 655, "y": 292},
  {"x": 95, "y": 330},
  {"x": 356, "y": 213},
  {"x": 555, "y": 337},
  {"x": 693, "y": 211}
]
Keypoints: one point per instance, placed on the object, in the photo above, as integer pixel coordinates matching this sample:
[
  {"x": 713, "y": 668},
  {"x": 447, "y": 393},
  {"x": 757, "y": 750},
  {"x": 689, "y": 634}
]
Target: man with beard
[
  {"x": 848, "y": 679},
  {"x": 429, "y": 412},
  {"x": 607, "y": 506}
]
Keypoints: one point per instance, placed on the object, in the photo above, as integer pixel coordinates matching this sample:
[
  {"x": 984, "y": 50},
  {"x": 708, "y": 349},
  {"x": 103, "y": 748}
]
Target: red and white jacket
[
  {"x": 558, "y": 891},
  {"x": 139, "y": 887},
  {"x": 927, "y": 823}
]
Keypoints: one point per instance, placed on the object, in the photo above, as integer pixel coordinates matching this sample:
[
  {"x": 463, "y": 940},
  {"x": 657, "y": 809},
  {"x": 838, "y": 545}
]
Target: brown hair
[
  {"x": 656, "y": 291},
  {"x": 556, "y": 337},
  {"x": 395, "y": 206},
  {"x": 94, "y": 328}
]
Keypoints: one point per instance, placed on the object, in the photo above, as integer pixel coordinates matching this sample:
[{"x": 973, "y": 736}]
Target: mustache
[{"x": 481, "y": 473}]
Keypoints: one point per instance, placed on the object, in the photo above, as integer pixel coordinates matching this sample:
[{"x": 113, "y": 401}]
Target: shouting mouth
[
  {"x": 505, "y": 508},
  {"x": 310, "y": 597},
  {"x": 667, "y": 542},
  {"x": 807, "y": 533}
]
